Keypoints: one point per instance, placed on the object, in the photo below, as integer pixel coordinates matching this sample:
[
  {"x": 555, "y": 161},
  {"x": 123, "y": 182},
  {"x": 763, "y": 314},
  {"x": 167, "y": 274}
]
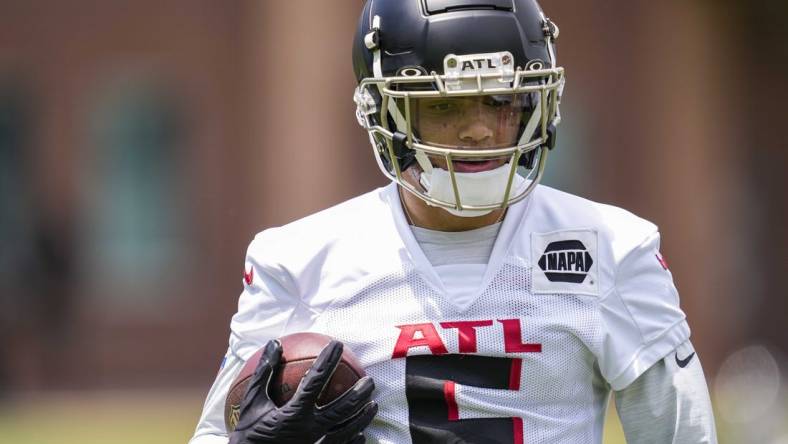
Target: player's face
[{"x": 475, "y": 122}]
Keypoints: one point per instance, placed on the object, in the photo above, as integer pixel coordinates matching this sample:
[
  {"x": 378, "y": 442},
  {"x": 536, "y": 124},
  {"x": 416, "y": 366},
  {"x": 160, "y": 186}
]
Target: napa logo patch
[{"x": 565, "y": 262}]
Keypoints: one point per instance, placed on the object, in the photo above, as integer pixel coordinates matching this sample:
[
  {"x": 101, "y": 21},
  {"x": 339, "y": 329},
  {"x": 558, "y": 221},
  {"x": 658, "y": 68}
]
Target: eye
[
  {"x": 440, "y": 107},
  {"x": 497, "y": 101}
]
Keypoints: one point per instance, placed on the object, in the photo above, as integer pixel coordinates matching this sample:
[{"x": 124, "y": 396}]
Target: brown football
[{"x": 299, "y": 351}]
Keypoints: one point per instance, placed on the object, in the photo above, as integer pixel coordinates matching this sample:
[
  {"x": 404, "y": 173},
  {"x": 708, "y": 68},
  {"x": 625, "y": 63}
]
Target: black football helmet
[{"x": 437, "y": 55}]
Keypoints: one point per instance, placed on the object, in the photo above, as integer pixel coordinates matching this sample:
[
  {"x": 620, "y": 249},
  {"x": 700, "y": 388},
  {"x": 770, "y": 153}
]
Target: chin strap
[{"x": 530, "y": 127}]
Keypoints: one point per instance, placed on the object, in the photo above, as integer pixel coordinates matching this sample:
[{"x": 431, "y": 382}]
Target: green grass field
[
  {"x": 122, "y": 418},
  {"x": 117, "y": 418}
]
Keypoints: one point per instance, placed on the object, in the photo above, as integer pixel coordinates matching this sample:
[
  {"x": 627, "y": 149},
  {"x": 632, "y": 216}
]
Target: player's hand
[{"x": 300, "y": 420}]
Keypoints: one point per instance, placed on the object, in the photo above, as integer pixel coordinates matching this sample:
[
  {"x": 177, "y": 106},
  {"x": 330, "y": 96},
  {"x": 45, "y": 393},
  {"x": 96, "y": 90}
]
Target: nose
[{"x": 475, "y": 132}]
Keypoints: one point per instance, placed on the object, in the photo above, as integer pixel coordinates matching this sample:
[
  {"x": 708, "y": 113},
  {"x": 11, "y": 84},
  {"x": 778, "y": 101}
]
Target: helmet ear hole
[{"x": 383, "y": 153}]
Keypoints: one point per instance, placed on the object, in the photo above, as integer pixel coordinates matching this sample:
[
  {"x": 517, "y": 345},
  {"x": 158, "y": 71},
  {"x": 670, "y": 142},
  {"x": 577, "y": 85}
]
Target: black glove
[{"x": 300, "y": 420}]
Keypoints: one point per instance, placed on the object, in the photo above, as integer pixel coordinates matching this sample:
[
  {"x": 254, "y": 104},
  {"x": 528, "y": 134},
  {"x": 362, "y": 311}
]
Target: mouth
[{"x": 476, "y": 166}]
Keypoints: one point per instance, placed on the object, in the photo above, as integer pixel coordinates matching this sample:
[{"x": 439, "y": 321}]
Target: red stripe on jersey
[
  {"x": 249, "y": 277},
  {"x": 451, "y": 400},
  {"x": 662, "y": 261},
  {"x": 518, "y": 430},
  {"x": 514, "y": 374}
]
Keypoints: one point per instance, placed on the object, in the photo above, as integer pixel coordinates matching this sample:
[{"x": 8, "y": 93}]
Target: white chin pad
[{"x": 476, "y": 189}]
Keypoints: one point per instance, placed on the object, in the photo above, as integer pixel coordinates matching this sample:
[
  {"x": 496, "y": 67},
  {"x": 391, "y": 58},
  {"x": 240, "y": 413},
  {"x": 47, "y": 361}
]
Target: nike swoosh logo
[{"x": 683, "y": 362}]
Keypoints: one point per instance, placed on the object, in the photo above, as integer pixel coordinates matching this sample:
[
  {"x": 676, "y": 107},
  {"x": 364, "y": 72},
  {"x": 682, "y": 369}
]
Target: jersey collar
[{"x": 510, "y": 229}]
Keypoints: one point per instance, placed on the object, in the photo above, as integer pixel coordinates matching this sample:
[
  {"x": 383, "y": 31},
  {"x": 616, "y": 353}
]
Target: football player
[{"x": 486, "y": 308}]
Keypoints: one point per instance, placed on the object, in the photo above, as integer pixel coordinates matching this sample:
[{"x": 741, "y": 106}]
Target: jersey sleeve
[
  {"x": 669, "y": 402},
  {"x": 265, "y": 309},
  {"x": 268, "y": 303},
  {"x": 641, "y": 318}
]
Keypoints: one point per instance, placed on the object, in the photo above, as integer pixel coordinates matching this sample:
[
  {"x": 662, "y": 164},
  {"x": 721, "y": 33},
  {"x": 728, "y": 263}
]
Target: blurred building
[{"x": 143, "y": 144}]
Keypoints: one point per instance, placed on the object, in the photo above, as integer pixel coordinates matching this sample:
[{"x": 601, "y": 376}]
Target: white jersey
[{"x": 575, "y": 300}]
